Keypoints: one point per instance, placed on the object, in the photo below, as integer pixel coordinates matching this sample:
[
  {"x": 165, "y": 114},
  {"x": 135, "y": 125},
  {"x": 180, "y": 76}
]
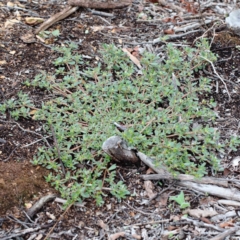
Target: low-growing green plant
[
  {"x": 180, "y": 199},
  {"x": 165, "y": 106},
  {"x": 49, "y": 34}
]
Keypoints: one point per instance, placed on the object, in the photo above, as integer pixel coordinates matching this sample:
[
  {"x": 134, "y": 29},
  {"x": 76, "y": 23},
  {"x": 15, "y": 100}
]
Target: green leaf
[
  {"x": 180, "y": 200},
  {"x": 56, "y": 33}
]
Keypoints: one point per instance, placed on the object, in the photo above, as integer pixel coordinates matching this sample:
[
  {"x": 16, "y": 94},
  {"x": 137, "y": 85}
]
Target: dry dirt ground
[{"x": 21, "y": 183}]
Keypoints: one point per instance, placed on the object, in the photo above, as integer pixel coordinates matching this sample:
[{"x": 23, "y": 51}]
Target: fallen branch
[
  {"x": 39, "y": 204},
  {"x": 118, "y": 149},
  {"x": 226, "y": 193},
  {"x": 98, "y": 4},
  {"x": 220, "y": 217},
  {"x": 171, "y": 5},
  {"x": 56, "y": 17},
  {"x": 225, "y": 234},
  {"x": 74, "y": 5},
  {"x": 186, "y": 177},
  {"x": 24, "y": 232}
]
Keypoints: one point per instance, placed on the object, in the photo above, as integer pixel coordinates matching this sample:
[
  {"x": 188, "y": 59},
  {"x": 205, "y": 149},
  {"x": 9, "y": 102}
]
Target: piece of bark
[
  {"x": 226, "y": 233},
  {"x": 118, "y": 149},
  {"x": 161, "y": 169},
  {"x": 226, "y": 193},
  {"x": 98, "y": 4},
  {"x": 171, "y": 5},
  {"x": 56, "y": 17},
  {"x": 186, "y": 177},
  {"x": 229, "y": 203},
  {"x": 39, "y": 204},
  {"x": 221, "y": 217}
]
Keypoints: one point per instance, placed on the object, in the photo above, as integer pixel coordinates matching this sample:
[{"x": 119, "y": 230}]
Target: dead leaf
[
  {"x": 189, "y": 6},
  {"x": 136, "y": 236},
  {"x": 175, "y": 218},
  {"x": 2, "y": 62},
  {"x": 171, "y": 228},
  {"x": 226, "y": 172},
  {"x": 101, "y": 224},
  {"x": 51, "y": 216},
  {"x": 135, "y": 52},
  {"x": 28, "y": 205},
  {"x": 206, "y": 220},
  {"x": 20, "y": 5},
  {"x": 169, "y": 31},
  {"x": 32, "y": 112},
  {"x": 206, "y": 200},
  {"x": 228, "y": 224},
  {"x": 148, "y": 185},
  {"x": 10, "y": 23},
  {"x": 149, "y": 171},
  {"x": 39, "y": 237},
  {"x": 97, "y": 28},
  {"x": 163, "y": 200},
  {"x": 10, "y": 4},
  {"x": 134, "y": 59},
  {"x": 166, "y": 20},
  {"x": 132, "y": 214},
  {"x": 117, "y": 235},
  {"x": 80, "y": 26},
  {"x": 28, "y": 38},
  {"x": 199, "y": 213},
  {"x": 33, "y": 20}
]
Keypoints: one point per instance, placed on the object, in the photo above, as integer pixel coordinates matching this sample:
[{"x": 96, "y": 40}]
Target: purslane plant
[{"x": 165, "y": 107}]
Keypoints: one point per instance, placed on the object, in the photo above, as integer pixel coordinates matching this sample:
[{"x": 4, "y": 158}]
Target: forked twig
[{"x": 214, "y": 69}]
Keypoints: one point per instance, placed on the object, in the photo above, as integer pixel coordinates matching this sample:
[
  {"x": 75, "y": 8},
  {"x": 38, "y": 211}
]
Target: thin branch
[
  {"x": 99, "y": 5},
  {"x": 56, "y": 17},
  {"x": 214, "y": 69}
]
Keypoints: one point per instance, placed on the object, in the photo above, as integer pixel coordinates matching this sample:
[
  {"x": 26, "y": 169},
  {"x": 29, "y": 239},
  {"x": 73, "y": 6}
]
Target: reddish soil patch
[{"x": 20, "y": 182}]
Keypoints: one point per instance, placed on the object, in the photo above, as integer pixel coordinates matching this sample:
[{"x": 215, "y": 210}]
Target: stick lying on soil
[
  {"x": 98, "y": 4},
  {"x": 73, "y": 7},
  {"x": 39, "y": 204},
  {"x": 118, "y": 149},
  {"x": 56, "y": 17}
]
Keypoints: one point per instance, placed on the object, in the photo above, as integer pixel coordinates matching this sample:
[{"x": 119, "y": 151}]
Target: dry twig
[
  {"x": 225, "y": 234},
  {"x": 56, "y": 17},
  {"x": 98, "y": 4}
]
